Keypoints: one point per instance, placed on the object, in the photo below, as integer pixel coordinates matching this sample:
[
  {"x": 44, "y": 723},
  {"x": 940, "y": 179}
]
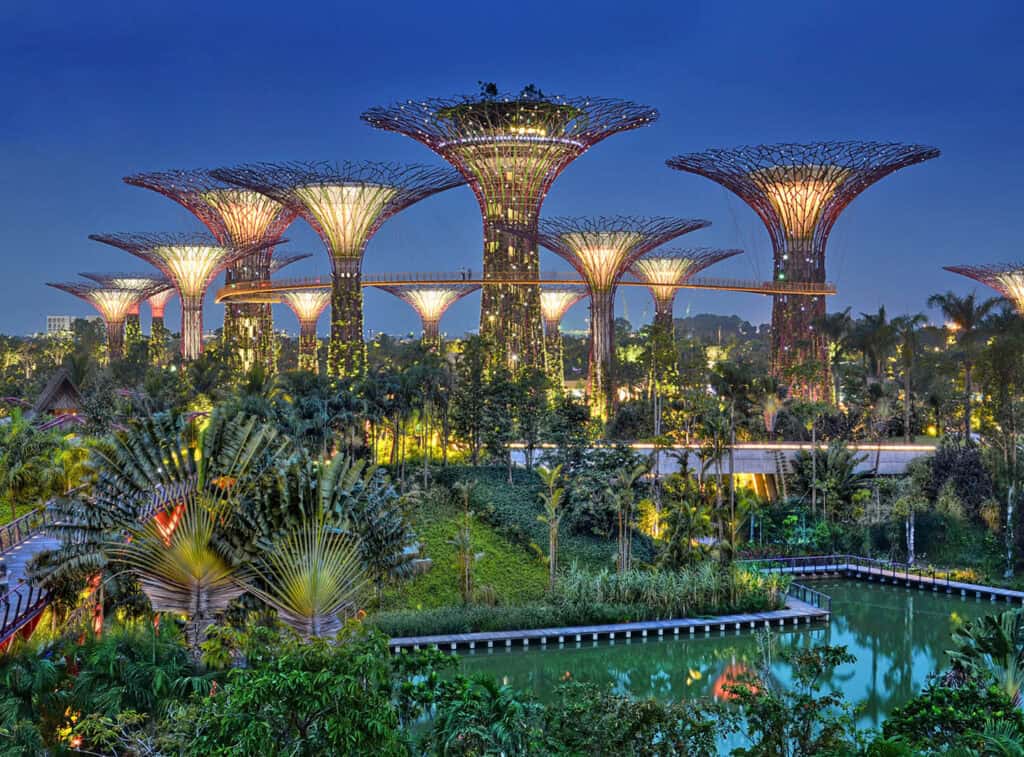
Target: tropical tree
[
  {"x": 625, "y": 497},
  {"x": 836, "y": 329},
  {"x": 26, "y": 462},
  {"x": 992, "y": 648},
  {"x": 907, "y": 330},
  {"x": 552, "y": 515},
  {"x": 966, "y": 315}
]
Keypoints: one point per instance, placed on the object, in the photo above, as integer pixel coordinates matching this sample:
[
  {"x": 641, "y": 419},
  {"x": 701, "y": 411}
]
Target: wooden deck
[{"x": 794, "y": 613}]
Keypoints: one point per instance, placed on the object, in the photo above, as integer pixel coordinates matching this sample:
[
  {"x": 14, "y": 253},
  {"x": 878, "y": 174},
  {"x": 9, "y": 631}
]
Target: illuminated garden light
[
  {"x": 431, "y": 301},
  {"x": 799, "y": 192},
  {"x": 665, "y": 271},
  {"x": 112, "y": 303},
  {"x": 555, "y": 301},
  {"x": 307, "y": 304},
  {"x": 1006, "y": 278},
  {"x": 156, "y": 284},
  {"x": 511, "y": 148},
  {"x": 237, "y": 218},
  {"x": 345, "y": 204},
  {"x": 601, "y": 249},
  {"x": 190, "y": 262}
]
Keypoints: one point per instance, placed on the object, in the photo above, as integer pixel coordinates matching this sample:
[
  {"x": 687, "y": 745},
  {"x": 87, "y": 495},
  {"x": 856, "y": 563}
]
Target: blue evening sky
[{"x": 97, "y": 90}]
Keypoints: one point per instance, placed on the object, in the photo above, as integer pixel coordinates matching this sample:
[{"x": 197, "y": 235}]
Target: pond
[{"x": 899, "y": 637}]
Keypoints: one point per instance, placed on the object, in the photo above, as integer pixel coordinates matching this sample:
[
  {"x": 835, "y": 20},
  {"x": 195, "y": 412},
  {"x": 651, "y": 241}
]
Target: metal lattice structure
[
  {"x": 555, "y": 301},
  {"x": 665, "y": 271},
  {"x": 431, "y": 302},
  {"x": 1005, "y": 278},
  {"x": 277, "y": 262},
  {"x": 345, "y": 203},
  {"x": 132, "y": 325},
  {"x": 237, "y": 218},
  {"x": 511, "y": 148},
  {"x": 799, "y": 191},
  {"x": 308, "y": 305},
  {"x": 601, "y": 250},
  {"x": 190, "y": 262},
  {"x": 112, "y": 303}
]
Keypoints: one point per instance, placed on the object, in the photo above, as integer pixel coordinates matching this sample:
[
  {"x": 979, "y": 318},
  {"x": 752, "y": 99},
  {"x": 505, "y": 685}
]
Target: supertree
[
  {"x": 190, "y": 262},
  {"x": 159, "y": 284},
  {"x": 555, "y": 300},
  {"x": 799, "y": 190},
  {"x": 113, "y": 303},
  {"x": 431, "y": 301},
  {"x": 345, "y": 204},
  {"x": 665, "y": 271},
  {"x": 158, "y": 332},
  {"x": 236, "y": 218},
  {"x": 511, "y": 148},
  {"x": 601, "y": 249},
  {"x": 307, "y": 304},
  {"x": 1005, "y": 278},
  {"x": 277, "y": 262}
]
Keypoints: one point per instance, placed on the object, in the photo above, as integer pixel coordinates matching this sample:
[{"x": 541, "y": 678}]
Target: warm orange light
[
  {"x": 800, "y": 193},
  {"x": 346, "y": 213},
  {"x": 600, "y": 256},
  {"x": 246, "y": 215}
]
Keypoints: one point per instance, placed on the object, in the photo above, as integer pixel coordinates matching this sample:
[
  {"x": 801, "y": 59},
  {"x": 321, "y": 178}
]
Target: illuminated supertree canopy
[
  {"x": 799, "y": 190},
  {"x": 113, "y": 303},
  {"x": 601, "y": 249},
  {"x": 431, "y": 301},
  {"x": 190, "y": 262},
  {"x": 237, "y": 218},
  {"x": 278, "y": 261},
  {"x": 308, "y": 305},
  {"x": 1005, "y": 278},
  {"x": 555, "y": 301},
  {"x": 511, "y": 148},
  {"x": 345, "y": 204},
  {"x": 664, "y": 271}
]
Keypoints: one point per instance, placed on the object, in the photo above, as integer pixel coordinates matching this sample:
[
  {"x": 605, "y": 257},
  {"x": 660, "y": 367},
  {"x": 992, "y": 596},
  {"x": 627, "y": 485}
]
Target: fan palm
[{"x": 993, "y": 647}]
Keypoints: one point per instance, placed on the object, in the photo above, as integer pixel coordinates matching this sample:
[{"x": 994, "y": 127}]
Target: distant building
[{"x": 65, "y": 324}]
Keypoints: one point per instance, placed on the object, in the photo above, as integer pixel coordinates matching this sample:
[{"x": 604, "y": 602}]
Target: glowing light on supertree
[
  {"x": 555, "y": 301},
  {"x": 157, "y": 305},
  {"x": 1005, "y": 278},
  {"x": 277, "y": 262},
  {"x": 431, "y": 301},
  {"x": 308, "y": 304},
  {"x": 112, "y": 303},
  {"x": 511, "y": 148},
  {"x": 190, "y": 262},
  {"x": 157, "y": 284},
  {"x": 799, "y": 191},
  {"x": 665, "y": 271},
  {"x": 237, "y": 218},
  {"x": 601, "y": 249},
  {"x": 346, "y": 204}
]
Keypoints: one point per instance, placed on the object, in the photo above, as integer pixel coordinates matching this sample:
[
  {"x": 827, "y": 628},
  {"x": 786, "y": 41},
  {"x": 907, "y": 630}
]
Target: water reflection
[{"x": 899, "y": 637}]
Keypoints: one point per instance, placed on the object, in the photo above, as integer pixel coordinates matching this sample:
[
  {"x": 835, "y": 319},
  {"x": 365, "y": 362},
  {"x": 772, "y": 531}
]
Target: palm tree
[
  {"x": 992, "y": 647},
  {"x": 906, "y": 328},
  {"x": 836, "y": 328},
  {"x": 877, "y": 339},
  {"x": 623, "y": 483},
  {"x": 552, "y": 500},
  {"x": 732, "y": 381},
  {"x": 26, "y": 457},
  {"x": 967, "y": 315}
]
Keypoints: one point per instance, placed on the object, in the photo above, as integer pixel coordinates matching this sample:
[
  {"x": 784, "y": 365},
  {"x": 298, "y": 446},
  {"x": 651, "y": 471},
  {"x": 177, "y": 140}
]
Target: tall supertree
[
  {"x": 112, "y": 303},
  {"x": 190, "y": 262},
  {"x": 345, "y": 204},
  {"x": 1005, "y": 278},
  {"x": 511, "y": 148},
  {"x": 158, "y": 332},
  {"x": 431, "y": 301},
  {"x": 158, "y": 285},
  {"x": 308, "y": 305},
  {"x": 665, "y": 271},
  {"x": 799, "y": 190},
  {"x": 277, "y": 262},
  {"x": 236, "y": 218},
  {"x": 555, "y": 300},
  {"x": 601, "y": 249}
]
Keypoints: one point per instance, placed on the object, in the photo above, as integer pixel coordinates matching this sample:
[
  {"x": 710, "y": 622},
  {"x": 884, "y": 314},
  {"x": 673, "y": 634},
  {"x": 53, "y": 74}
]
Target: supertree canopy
[
  {"x": 1005, "y": 278},
  {"x": 555, "y": 300},
  {"x": 307, "y": 304},
  {"x": 113, "y": 303},
  {"x": 158, "y": 285},
  {"x": 511, "y": 148},
  {"x": 601, "y": 249},
  {"x": 236, "y": 218},
  {"x": 277, "y": 262},
  {"x": 664, "y": 271},
  {"x": 431, "y": 301},
  {"x": 345, "y": 204},
  {"x": 190, "y": 262},
  {"x": 799, "y": 190}
]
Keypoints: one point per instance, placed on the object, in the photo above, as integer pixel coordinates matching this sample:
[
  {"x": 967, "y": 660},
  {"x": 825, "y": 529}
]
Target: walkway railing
[
  {"x": 17, "y": 531},
  {"x": 882, "y": 568},
  {"x": 811, "y": 596},
  {"x": 20, "y": 606}
]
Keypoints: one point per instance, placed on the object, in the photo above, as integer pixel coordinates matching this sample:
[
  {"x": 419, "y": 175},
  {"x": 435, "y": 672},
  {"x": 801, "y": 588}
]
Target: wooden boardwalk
[{"x": 794, "y": 613}]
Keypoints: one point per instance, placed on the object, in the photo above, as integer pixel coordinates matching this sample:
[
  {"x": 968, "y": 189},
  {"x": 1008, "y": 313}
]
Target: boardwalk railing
[
  {"x": 14, "y": 533},
  {"x": 19, "y": 606},
  {"x": 840, "y": 562},
  {"x": 810, "y": 596}
]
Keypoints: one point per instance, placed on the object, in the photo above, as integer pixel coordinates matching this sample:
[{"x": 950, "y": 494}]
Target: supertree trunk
[
  {"x": 432, "y": 333},
  {"x": 158, "y": 338},
  {"x": 346, "y": 353},
  {"x": 191, "y": 327},
  {"x": 115, "y": 339},
  {"x": 309, "y": 347},
  {"x": 132, "y": 329},
  {"x": 554, "y": 356},
  {"x": 510, "y": 317},
  {"x": 799, "y": 354},
  {"x": 602, "y": 334},
  {"x": 663, "y": 317}
]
